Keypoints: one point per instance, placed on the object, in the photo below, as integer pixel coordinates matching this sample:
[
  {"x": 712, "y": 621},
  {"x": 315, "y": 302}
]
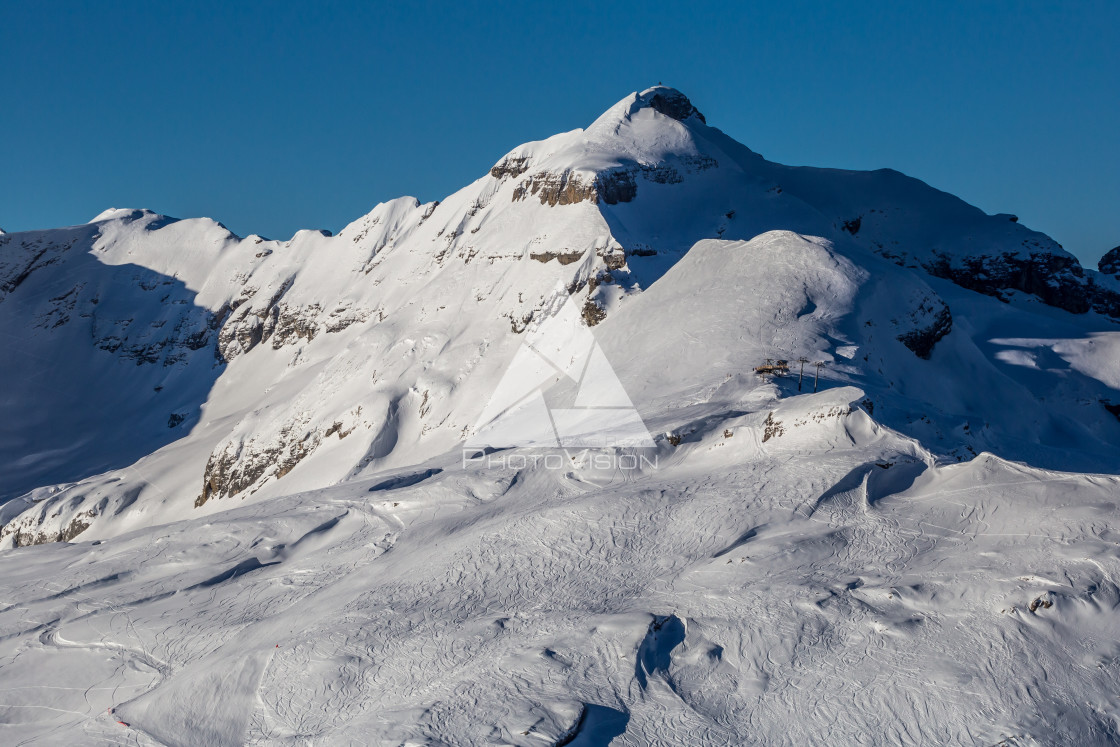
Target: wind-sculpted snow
[{"x": 880, "y": 506}]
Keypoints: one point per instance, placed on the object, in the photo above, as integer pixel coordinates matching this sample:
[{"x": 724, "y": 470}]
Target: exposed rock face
[
  {"x": 922, "y": 340},
  {"x": 1056, "y": 280},
  {"x": 239, "y": 465},
  {"x": 512, "y": 166},
  {"x": 58, "y": 515},
  {"x": 193, "y": 331},
  {"x": 228, "y": 474},
  {"x": 165, "y": 331},
  {"x": 245, "y": 463},
  {"x": 610, "y": 186},
  {"x": 343, "y": 316},
  {"x": 245, "y": 324},
  {"x": 564, "y": 258},
  {"x": 592, "y": 313},
  {"x": 294, "y": 324},
  {"x": 17, "y": 262},
  {"x": 772, "y": 428},
  {"x": 674, "y": 104},
  {"x": 23, "y": 538},
  {"x": 1110, "y": 262}
]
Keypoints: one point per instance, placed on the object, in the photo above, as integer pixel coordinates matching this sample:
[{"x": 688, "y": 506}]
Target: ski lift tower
[{"x": 817, "y": 375}]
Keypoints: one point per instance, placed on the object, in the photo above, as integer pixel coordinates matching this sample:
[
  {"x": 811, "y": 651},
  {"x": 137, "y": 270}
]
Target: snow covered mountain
[{"x": 252, "y": 449}]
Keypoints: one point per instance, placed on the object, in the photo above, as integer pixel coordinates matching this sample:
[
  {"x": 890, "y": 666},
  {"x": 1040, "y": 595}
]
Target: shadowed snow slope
[{"x": 239, "y": 461}]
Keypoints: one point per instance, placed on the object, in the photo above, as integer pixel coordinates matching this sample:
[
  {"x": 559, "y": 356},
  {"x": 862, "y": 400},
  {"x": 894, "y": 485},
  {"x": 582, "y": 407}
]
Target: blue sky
[{"x": 277, "y": 116}]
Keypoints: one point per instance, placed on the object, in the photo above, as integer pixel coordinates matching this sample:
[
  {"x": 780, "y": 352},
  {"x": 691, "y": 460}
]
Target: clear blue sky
[{"x": 277, "y": 116}]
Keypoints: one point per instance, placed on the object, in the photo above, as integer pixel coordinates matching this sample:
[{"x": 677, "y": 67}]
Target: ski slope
[
  {"x": 831, "y": 583},
  {"x": 237, "y": 508}
]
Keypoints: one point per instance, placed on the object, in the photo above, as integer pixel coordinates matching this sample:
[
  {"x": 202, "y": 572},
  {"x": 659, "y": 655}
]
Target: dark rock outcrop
[
  {"x": 244, "y": 325},
  {"x": 592, "y": 313},
  {"x": 222, "y": 476},
  {"x": 565, "y": 258},
  {"x": 610, "y": 186},
  {"x": 673, "y": 103},
  {"x": 22, "y": 536},
  {"x": 921, "y": 341},
  {"x": 17, "y": 264},
  {"x": 772, "y": 428},
  {"x": 1056, "y": 280},
  {"x": 1110, "y": 262},
  {"x": 246, "y": 464},
  {"x": 238, "y": 467},
  {"x": 512, "y": 166}
]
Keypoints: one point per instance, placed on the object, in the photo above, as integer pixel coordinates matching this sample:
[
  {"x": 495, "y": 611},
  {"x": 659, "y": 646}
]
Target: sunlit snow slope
[{"x": 237, "y": 509}]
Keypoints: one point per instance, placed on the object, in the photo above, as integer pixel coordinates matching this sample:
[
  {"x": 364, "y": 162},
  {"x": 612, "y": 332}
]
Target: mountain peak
[
  {"x": 670, "y": 102},
  {"x": 640, "y": 106}
]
